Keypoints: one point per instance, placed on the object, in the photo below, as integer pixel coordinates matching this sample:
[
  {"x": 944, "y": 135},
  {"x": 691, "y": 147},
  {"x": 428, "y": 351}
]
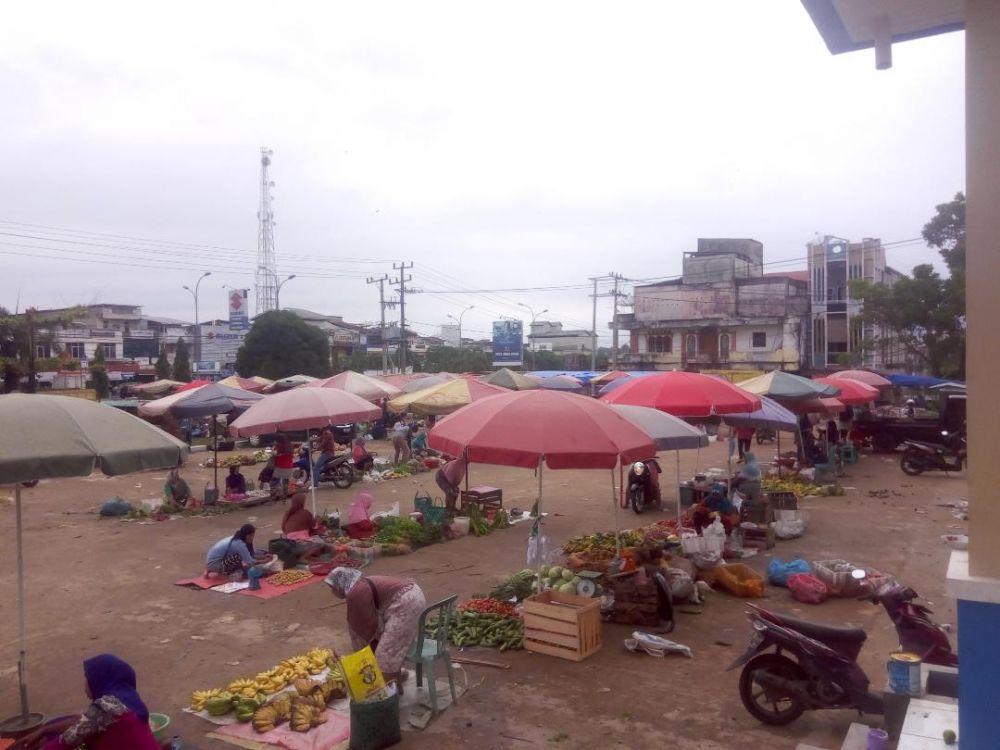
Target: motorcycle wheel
[
  {"x": 911, "y": 465},
  {"x": 638, "y": 498},
  {"x": 343, "y": 477},
  {"x": 777, "y": 712}
]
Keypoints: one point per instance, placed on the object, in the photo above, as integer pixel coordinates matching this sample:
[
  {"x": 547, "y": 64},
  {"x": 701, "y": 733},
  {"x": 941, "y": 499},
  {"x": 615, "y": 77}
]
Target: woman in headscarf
[
  {"x": 232, "y": 554},
  {"x": 298, "y": 522},
  {"x": 382, "y": 612},
  {"x": 716, "y": 504},
  {"x": 176, "y": 490},
  {"x": 359, "y": 522},
  {"x": 363, "y": 460},
  {"x": 747, "y": 479},
  {"x": 116, "y": 718}
]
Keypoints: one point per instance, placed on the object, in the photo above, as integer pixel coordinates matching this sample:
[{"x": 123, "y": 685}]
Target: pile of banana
[
  {"x": 199, "y": 697},
  {"x": 303, "y": 710}
]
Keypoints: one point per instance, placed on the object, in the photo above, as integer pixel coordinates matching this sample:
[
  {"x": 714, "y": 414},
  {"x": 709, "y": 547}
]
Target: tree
[
  {"x": 162, "y": 365},
  {"x": 280, "y": 344},
  {"x": 98, "y": 356},
  {"x": 182, "y": 362},
  {"x": 453, "y": 359},
  {"x": 20, "y": 336},
  {"x": 925, "y": 313}
]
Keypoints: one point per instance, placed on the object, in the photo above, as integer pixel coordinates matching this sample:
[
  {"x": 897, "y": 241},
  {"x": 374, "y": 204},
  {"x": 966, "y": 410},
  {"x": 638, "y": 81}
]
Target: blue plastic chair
[{"x": 425, "y": 651}]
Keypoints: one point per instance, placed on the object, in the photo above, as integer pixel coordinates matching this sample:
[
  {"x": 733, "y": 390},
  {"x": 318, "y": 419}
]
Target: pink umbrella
[
  {"x": 851, "y": 391},
  {"x": 685, "y": 394},
  {"x": 367, "y": 388},
  {"x": 863, "y": 376},
  {"x": 303, "y": 409},
  {"x": 816, "y": 405}
]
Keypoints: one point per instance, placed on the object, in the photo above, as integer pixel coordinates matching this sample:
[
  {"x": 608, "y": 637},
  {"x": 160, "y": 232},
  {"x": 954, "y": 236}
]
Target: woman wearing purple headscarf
[{"x": 116, "y": 718}]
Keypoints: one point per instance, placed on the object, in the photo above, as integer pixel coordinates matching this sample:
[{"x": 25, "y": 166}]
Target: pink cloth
[
  {"x": 330, "y": 734},
  {"x": 359, "y": 510},
  {"x": 303, "y": 536}
]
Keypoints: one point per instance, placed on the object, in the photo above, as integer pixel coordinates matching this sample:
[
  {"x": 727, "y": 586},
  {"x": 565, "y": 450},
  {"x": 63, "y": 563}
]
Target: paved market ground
[{"x": 97, "y": 585}]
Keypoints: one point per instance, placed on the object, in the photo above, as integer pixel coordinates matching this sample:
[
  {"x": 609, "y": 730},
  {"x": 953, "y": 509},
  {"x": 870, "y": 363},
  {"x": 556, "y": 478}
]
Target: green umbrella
[
  {"x": 786, "y": 386},
  {"x": 47, "y": 437},
  {"x": 514, "y": 381}
]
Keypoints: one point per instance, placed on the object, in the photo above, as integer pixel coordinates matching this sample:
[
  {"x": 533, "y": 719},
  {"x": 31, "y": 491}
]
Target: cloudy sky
[{"x": 509, "y": 150}]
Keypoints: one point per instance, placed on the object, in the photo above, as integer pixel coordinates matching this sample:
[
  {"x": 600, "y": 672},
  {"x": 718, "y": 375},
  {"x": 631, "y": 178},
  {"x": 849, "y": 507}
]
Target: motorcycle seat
[{"x": 825, "y": 633}]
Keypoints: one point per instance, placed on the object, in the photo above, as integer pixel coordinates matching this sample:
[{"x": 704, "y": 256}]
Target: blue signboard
[
  {"x": 239, "y": 312},
  {"x": 508, "y": 343}
]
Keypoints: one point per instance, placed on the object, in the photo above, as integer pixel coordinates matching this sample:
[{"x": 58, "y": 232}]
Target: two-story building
[
  {"x": 724, "y": 312},
  {"x": 345, "y": 338}
]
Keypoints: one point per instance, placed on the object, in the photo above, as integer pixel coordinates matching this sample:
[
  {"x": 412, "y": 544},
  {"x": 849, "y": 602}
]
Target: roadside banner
[
  {"x": 239, "y": 316},
  {"x": 508, "y": 343}
]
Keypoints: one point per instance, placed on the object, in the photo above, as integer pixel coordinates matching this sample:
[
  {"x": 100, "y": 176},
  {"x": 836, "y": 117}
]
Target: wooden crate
[{"x": 563, "y": 625}]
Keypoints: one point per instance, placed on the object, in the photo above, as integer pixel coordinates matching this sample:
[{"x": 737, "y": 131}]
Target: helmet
[{"x": 638, "y": 467}]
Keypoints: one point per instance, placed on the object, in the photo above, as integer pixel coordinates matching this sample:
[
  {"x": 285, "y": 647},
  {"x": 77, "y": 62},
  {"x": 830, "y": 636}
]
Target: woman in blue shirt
[{"x": 232, "y": 554}]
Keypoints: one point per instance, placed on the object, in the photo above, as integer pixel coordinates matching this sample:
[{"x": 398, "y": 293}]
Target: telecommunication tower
[{"x": 266, "y": 275}]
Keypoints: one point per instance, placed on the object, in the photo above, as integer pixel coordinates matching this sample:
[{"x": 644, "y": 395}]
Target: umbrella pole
[
  {"x": 538, "y": 524},
  {"x": 678, "y": 455},
  {"x": 22, "y": 667},
  {"x": 614, "y": 500},
  {"x": 313, "y": 479},
  {"x": 215, "y": 449}
]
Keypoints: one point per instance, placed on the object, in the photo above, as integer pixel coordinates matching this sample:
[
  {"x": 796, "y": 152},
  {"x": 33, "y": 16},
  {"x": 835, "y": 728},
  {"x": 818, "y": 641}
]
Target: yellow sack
[{"x": 364, "y": 678}]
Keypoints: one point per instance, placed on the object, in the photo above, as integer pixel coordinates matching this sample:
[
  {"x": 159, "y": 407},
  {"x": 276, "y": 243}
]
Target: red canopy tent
[
  {"x": 863, "y": 376},
  {"x": 851, "y": 391},
  {"x": 685, "y": 394},
  {"x": 192, "y": 384}
]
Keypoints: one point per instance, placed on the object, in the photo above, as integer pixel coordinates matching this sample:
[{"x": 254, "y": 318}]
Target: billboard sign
[
  {"x": 239, "y": 312},
  {"x": 508, "y": 343}
]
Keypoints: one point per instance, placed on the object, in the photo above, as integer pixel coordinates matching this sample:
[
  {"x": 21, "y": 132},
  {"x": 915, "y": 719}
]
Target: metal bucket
[{"x": 904, "y": 673}]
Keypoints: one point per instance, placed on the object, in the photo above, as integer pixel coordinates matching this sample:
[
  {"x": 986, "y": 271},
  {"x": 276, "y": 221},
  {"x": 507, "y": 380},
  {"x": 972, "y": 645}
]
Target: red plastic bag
[{"x": 807, "y": 588}]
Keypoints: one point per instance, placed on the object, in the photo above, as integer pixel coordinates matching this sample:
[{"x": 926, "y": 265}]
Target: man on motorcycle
[{"x": 646, "y": 474}]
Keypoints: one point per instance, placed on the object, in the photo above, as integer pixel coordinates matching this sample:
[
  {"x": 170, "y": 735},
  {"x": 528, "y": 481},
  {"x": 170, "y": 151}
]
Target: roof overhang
[{"x": 850, "y": 25}]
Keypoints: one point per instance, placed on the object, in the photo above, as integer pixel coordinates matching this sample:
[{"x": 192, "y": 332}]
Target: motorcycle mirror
[{"x": 858, "y": 574}]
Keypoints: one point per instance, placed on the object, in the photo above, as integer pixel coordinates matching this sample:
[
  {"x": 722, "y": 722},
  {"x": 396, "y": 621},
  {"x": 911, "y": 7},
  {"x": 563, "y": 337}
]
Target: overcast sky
[{"x": 495, "y": 145}]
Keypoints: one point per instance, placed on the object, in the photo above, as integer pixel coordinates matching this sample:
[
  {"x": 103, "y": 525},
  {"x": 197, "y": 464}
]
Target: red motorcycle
[{"x": 815, "y": 666}]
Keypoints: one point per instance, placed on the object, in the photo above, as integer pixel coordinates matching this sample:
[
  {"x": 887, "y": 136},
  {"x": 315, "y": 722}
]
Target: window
[
  {"x": 110, "y": 351},
  {"x": 43, "y": 351},
  {"x": 819, "y": 284},
  {"x": 758, "y": 340},
  {"x": 691, "y": 345},
  {"x": 76, "y": 350},
  {"x": 724, "y": 345},
  {"x": 660, "y": 344}
]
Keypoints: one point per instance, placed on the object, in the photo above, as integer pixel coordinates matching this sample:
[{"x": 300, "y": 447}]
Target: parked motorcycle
[
  {"x": 644, "y": 484},
  {"x": 815, "y": 666},
  {"x": 919, "y": 456},
  {"x": 339, "y": 470}
]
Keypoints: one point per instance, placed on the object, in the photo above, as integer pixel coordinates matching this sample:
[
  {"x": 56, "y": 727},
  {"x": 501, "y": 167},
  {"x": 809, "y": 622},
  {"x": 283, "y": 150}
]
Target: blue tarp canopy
[{"x": 918, "y": 381}]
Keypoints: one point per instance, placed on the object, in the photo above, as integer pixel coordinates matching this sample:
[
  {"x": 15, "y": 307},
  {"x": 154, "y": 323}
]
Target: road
[{"x": 106, "y": 585}]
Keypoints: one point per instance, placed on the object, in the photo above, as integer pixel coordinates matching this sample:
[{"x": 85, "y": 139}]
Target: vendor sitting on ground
[
  {"x": 177, "y": 492},
  {"x": 418, "y": 442},
  {"x": 232, "y": 554},
  {"x": 236, "y": 483},
  {"x": 747, "y": 479},
  {"x": 359, "y": 523},
  {"x": 716, "y": 505},
  {"x": 116, "y": 717},
  {"x": 363, "y": 459},
  {"x": 382, "y": 612}
]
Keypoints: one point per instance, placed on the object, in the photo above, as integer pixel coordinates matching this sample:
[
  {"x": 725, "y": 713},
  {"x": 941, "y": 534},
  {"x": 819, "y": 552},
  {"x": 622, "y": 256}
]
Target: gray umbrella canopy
[
  {"x": 770, "y": 415},
  {"x": 57, "y": 436},
  {"x": 669, "y": 433},
  {"x": 214, "y": 399}
]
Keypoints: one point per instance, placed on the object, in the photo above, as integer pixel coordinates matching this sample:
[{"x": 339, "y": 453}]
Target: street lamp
[
  {"x": 197, "y": 324},
  {"x": 277, "y": 290},
  {"x": 534, "y": 345},
  {"x": 459, "y": 319}
]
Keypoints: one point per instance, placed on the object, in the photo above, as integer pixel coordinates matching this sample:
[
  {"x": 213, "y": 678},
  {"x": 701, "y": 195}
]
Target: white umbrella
[{"x": 57, "y": 436}]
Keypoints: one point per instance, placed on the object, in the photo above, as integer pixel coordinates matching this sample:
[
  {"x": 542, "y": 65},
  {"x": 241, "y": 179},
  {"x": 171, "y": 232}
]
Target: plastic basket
[{"x": 375, "y": 725}]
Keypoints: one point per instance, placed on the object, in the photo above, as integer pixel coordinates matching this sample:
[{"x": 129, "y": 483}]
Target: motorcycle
[
  {"x": 819, "y": 667},
  {"x": 644, "y": 484},
  {"x": 919, "y": 456},
  {"x": 339, "y": 470}
]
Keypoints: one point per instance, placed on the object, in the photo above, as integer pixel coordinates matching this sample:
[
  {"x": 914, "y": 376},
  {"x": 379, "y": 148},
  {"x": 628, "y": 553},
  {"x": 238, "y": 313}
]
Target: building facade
[
  {"x": 724, "y": 312},
  {"x": 840, "y": 337}
]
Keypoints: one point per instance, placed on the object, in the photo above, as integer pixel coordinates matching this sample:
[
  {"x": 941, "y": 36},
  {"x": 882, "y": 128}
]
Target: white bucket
[{"x": 460, "y": 525}]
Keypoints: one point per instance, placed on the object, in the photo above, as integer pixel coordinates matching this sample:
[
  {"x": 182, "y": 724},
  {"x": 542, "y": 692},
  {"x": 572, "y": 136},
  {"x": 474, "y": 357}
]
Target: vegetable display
[
  {"x": 519, "y": 586},
  {"x": 489, "y": 606},
  {"x": 789, "y": 484},
  {"x": 602, "y": 541},
  {"x": 474, "y": 629},
  {"x": 395, "y": 530}
]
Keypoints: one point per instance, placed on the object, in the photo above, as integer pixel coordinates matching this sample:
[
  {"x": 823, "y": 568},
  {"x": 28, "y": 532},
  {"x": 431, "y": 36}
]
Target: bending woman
[
  {"x": 116, "y": 718},
  {"x": 233, "y": 554},
  {"x": 382, "y": 612}
]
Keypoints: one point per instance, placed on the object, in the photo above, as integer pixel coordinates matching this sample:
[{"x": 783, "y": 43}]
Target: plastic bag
[
  {"x": 537, "y": 550},
  {"x": 364, "y": 678},
  {"x": 807, "y": 588},
  {"x": 778, "y": 571},
  {"x": 740, "y": 580},
  {"x": 115, "y": 507},
  {"x": 715, "y": 529},
  {"x": 789, "y": 529}
]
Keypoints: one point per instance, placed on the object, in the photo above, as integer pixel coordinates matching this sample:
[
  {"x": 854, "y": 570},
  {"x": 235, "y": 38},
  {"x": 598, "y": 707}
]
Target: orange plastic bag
[{"x": 740, "y": 580}]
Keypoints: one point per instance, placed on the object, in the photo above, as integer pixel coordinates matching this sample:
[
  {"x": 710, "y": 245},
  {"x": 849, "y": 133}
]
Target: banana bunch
[
  {"x": 198, "y": 698},
  {"x": 272, "y": 680},
  {"x": 334, "y": 688},
  {"x": 265, "y": 719},
  {"x": 305, "y": 716}
]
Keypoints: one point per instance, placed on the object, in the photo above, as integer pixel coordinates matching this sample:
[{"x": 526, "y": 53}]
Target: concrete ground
[{"x": 105, "y": 585}]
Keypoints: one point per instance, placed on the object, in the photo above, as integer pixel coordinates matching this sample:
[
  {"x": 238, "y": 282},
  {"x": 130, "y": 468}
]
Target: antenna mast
[{"x": 266, "y": 274}]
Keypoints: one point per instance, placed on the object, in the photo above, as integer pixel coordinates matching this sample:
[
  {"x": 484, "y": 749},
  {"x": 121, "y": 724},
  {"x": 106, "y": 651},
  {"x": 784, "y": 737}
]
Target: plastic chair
[{"x": 425, "y": 651}]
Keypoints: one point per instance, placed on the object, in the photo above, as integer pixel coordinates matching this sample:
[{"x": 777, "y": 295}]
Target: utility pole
[
  {"x": 617, "y": 278},
  {"x": 593, "y": 327},
  {"x": 382, "y": 304},
  {"x": 402, "y": 267}
]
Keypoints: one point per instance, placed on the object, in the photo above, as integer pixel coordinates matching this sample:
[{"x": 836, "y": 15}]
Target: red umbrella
[
  {"x": 685, "y": 394},
  {"x": 815, "y": 405},
  {"x": 521, "y": 428},
  {"x": 192, "y": 384},
  {"x": 303, "y": 409},
  {"x": 863, "y": 376},
  {"x": 851, "y": 391},
  {"x": 364, "y": 386}
]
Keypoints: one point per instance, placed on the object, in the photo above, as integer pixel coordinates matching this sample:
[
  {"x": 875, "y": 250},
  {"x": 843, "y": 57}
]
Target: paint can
[
  {"x": 904, "y": 673},
  {"x": 878, "y": 739}
]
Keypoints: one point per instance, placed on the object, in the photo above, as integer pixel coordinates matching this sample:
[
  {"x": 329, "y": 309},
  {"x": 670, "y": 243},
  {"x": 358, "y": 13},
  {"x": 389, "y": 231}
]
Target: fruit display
[
  {"x": 565, "y": 581},
  {"x": 602, "y": 541},
  {"x": 305, "y": 716},
  {"x": 198, "y": 698},
  {"x": 474, "y": 629},
  {"x": 219, "y": 705},
  {"x": 789, "y": 484},
  {"x": 288, "y": 577},
  {"x": 234, "y": 460}
]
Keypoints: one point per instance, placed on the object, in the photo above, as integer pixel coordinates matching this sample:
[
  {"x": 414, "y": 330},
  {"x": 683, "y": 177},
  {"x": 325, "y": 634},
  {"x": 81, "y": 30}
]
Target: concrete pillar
[{"x": 974, "y": 577}]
